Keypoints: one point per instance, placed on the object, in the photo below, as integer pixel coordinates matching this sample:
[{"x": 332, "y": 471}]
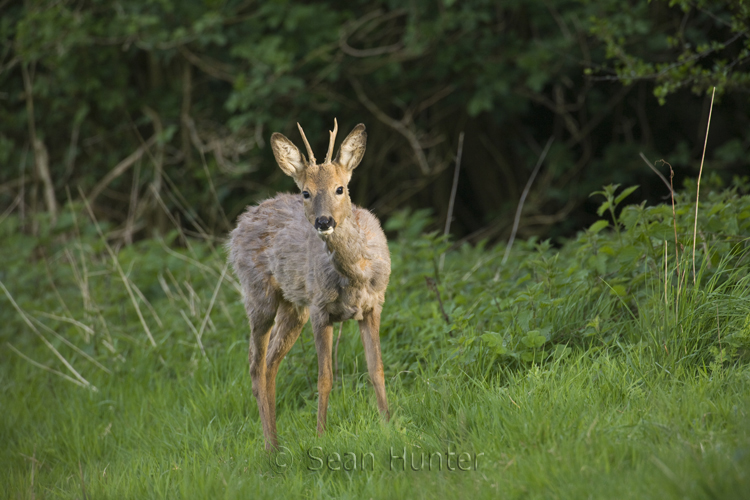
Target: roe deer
[{"x": 310, "y": 255}]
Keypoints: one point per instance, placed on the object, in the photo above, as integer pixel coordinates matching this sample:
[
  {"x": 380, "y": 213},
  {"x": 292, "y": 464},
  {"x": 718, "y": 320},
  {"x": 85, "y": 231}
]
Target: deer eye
[
  {"x": 340, "y": 190},
  {"x": 305, "y": 195}
]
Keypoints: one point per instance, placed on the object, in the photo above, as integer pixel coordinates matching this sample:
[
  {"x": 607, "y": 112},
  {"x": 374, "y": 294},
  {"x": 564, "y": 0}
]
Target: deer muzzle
[{"x": 324, "y": 225}]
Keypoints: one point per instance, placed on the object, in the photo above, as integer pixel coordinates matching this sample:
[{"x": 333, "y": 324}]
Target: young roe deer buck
[{"x": 311, "y": 255}]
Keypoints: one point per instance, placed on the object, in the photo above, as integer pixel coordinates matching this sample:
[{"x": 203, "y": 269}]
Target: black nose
[{"x": 324, "y": 223}]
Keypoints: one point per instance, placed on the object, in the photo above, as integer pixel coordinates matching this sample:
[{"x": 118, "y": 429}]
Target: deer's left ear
[{"x": 353, "y": 148}]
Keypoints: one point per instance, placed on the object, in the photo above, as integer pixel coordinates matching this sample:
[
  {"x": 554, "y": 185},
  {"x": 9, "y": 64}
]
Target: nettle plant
[{"x": 623, "y": 281}]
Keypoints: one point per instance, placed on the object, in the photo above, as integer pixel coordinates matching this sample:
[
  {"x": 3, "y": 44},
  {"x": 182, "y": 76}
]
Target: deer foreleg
[
  {"x": 369, "y": 330},
  {"x": 323, "y": 343}
]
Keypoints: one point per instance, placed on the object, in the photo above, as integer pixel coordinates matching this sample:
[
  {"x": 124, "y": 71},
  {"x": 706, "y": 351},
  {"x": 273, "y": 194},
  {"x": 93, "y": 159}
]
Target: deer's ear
[
  {"x": 353, "y": 148},
  {"x": 288, "y": 157}
]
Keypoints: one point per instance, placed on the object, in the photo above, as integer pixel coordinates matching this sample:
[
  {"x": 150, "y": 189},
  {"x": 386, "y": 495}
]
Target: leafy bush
[
  {"x": 183, "y": 96},
  {"x": 620, "y": 283},
  {"x": 587, "y": 360},
  {"x": 603, "y": 287}
]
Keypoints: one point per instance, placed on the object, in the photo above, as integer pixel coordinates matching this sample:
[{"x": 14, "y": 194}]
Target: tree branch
[
  {"x": 397, "y": 125},
  {"x": 120, "y": 168}
]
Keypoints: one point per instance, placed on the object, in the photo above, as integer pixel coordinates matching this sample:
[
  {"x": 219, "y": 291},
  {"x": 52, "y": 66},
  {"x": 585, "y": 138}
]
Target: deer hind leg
[
  {"x": 369, "y": 330},
  {"x": 261, "y": 320},
  {"x": 289, "y": 323}
]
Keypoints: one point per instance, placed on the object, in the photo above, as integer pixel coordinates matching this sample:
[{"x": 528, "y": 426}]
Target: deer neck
[{"x": 347, "y": 247}]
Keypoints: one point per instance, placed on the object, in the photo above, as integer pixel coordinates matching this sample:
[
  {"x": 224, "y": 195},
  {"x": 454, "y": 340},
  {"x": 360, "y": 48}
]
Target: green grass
[{"x": 572, "y": 372}]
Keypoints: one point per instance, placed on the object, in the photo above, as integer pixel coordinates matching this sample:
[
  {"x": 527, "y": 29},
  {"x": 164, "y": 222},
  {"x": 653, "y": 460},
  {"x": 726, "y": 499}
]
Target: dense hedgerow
[
  {"x": 593, "y": 366},
  {"x": 622, "y": 282}
]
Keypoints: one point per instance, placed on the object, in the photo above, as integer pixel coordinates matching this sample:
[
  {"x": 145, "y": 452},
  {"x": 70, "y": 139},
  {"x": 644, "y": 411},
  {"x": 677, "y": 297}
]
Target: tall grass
[{"x": 595, "y": 368}]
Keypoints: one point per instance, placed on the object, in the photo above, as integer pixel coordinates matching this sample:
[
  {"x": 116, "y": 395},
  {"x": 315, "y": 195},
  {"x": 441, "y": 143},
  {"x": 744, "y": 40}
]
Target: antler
[
  {"x": 332, "y": 140},
  {"x": 310, "y": 155}
]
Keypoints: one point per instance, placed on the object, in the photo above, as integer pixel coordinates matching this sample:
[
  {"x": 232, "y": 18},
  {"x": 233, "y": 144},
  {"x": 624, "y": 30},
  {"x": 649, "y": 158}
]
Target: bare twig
[
  {"x": 433, "y": 286},
  {"x": 10, "y": 185},
  {"x": 454, "y": 188},
  {"x": 198, "y": 144},
  {"x": 217, "y": 69},
  {"x": 436, "y": 97},
  {"x": 146, "y": 303},
  {"x": 82, "y": 381},
  {"x": 523, "y": 198},
  {"x": 71, "y": 345},
  {"x": 379, "y": 17},
  {"x": 397, "y": 125},
  {"x": 674, "y": 213},
  {"x": 452, "y": 199},
  {"x": 676, "y": 245},
  {"x": 158, "y": 162},
  {"x": 10, "y": 208},
  {"x": 700, "y": 172},
  {"x": 211, "y": 306},
  {"x": 195, "y": 332},
  {"x": 185, "y": 119},
  {"x": 119, "y": 169},
  {"x": 72, "y": 321},
  {"x": 130, "y": 222},
  {"x": 663, "y": 179},
  {"x": 70, "y": 156},
  {"x": 45, "y": 367},
  {"x": 199, "y": 265},
  {"x": 123, "y": 277},
  {"x": 41, "y": 157},
  {"x": 375, "y": 51}
]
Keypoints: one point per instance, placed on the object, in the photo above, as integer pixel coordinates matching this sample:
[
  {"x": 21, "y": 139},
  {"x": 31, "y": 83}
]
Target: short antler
[
  {"x": 310, "y": 155},
  {"x": 332, "y": 140}
]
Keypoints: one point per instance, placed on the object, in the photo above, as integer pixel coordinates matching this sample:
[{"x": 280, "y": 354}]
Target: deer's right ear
[{"x": 288, "y": 157}]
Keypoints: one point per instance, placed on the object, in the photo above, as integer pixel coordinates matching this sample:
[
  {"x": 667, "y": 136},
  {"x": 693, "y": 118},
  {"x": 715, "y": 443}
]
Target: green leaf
[
  {"x": 603, "y": 208},
  {"x": 607, "y": 250},
  {"x": 534, "y": 339},
  {"x": 626, "y": 192},
  {"x": 494, "y": 341},
  {"x": 629, "y": 254},
  {"x": 561, "y": 351},
  {"x": 598, "y": 226}
]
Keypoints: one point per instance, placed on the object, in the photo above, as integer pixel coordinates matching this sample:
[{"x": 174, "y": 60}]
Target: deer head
[{"x": 324, "y": 186}]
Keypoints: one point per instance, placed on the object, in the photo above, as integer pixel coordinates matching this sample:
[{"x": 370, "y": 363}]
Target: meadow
[{"x": 610, "y": 365}]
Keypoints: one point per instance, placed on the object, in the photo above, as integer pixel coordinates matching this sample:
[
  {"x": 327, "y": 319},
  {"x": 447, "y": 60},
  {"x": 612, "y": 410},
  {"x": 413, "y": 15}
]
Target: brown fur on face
[{"x": 321, "y": 183}]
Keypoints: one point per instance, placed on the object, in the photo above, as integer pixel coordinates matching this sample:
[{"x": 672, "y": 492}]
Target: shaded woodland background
[{"x": 159, "y": 111}]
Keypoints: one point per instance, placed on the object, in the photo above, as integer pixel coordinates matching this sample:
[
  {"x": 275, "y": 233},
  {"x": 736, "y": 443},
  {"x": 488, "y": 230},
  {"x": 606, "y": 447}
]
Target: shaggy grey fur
[{"x": 289, "y": 272}]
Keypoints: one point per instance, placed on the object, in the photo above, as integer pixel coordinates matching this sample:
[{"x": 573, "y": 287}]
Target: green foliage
[
  {"x": 604, "y": 290},
  {"x": 211, "y": 80},
  {"x": 708, "y": 48},
  {"x": 586, "y": 360},
  {"x": 597, "y": 288}
]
